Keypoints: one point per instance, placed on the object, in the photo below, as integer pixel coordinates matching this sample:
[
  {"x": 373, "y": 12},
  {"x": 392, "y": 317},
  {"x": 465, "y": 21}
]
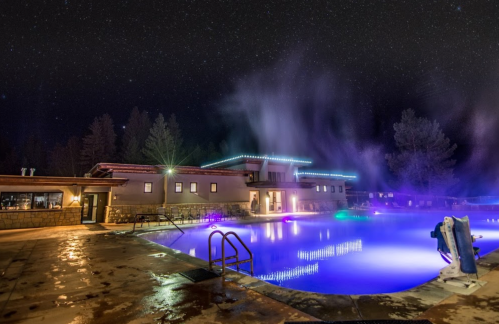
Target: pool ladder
[{"x": 223, "y": 259}]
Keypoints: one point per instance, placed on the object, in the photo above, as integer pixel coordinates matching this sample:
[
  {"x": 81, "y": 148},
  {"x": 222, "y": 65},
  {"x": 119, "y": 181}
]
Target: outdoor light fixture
[
  {"x": 169, "y": 171},
  {"x": 115, "y": 197},
  {"x": 76, "y": 198}
]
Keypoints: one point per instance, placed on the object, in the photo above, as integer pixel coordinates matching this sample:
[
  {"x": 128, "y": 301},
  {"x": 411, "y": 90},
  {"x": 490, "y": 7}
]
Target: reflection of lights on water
[
  {"x": 294, "y": 273},
  {"x": 320, "y": 236},
  {"x": 331, "y": 251},
  {"x": 327, "y": 234},
  {"x": 279, "y": 231},
  {"x": 295, "y": 228},
  {"x": 192, "y": 252},
  {"x": 253, "y": 236}
]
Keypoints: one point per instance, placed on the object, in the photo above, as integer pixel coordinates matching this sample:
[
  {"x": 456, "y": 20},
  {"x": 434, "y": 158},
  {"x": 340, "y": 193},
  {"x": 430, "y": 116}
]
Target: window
[
  {"x": 332, "y": 189},
  {"x": 340, "y": 188},
  {"x": 194, "y": 187},
  {"x": 178, "y": 187},
  {"x": 317, "y": 188},
  {"x": 31, "y": 200},
  {"x": 213, "y": 187},
  {"x": 147, "y": 187},
  {"x": 325, "y": 188}
]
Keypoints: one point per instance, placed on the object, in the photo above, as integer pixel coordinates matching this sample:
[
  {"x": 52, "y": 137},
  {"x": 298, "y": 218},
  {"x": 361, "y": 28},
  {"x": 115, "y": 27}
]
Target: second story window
[
  {"x": 194, "y": 187},
  {"x": 178, "y": 187},
  {"x": 340, "y": 188}
]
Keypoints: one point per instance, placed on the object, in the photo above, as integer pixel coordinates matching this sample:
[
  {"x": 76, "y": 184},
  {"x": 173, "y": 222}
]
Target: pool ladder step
[{"x": 223, "y": 259}]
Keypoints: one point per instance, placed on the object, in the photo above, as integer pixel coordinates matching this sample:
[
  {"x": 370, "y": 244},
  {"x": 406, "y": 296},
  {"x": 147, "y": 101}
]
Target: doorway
[
  {"x": 277, "y": 201},
  {"x": 93, "y": 206}
]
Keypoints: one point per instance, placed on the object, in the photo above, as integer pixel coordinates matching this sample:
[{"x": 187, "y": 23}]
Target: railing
[
  {"x": 158, "y": 215},
  {"x": 223, "y": 259}
]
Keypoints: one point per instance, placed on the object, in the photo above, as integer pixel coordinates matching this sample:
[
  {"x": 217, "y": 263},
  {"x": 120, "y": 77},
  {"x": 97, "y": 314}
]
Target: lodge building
[{"x": 114, "y": 192}]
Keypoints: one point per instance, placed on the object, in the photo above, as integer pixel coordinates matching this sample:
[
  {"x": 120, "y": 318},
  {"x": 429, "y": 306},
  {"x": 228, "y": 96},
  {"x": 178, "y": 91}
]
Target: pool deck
[{"x": 102, "y": 273}]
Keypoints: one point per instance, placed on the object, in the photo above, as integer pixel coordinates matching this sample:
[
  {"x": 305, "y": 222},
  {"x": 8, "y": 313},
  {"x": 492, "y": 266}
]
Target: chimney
[
  {"x": 23, "y": 171},
  {"x": 31, "y": 172}
]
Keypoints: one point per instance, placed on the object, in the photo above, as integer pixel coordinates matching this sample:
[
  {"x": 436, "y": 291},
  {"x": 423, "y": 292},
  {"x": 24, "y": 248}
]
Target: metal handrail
[
  {"x": 224, "y": 258},
  {"x": 135, "y": 220}
]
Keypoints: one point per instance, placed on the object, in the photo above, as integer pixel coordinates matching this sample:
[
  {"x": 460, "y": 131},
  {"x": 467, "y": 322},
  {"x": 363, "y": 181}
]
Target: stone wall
[
  {"x": 40, "y": 218},
  {"x": 126, "y": 213}
]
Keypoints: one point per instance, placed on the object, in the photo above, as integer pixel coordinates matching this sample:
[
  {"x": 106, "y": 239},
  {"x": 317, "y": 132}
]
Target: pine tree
[
  {"x": 99, "y": 145},
  {"x": 159, "y": 144},
  {"x": 177, "y": 153},
  {"x": 423, "y": 159},
  {"x": 136, "y": 132},
  {"x": 65, "y": 160}
]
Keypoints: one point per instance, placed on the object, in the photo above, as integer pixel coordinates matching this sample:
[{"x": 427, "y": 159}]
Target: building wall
[
  {"x": 311, "y": 194},
  {"x": 229, "y": 189},
  {"x": 133, "y": 193}
]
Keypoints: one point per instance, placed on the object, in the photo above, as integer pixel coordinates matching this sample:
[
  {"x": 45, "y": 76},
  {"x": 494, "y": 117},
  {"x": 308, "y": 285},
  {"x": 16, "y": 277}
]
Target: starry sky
[{"x": 319, "y": 79}]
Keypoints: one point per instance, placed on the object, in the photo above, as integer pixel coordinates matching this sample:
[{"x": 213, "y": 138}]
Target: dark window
[
  {"x": 340, "y": 188},
  {"x": 332, "y": 189},
  {"x": 31, "y": 200}
]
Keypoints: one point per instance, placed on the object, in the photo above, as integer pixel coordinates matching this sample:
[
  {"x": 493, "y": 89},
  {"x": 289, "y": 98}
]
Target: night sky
[{"x": 318, "y": 79}]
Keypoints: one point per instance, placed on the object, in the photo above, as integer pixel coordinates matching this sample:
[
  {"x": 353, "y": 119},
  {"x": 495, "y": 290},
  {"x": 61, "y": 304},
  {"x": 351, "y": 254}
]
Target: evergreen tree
[
  {"x": 136, "y": 132},
  {"x": 34, "y": 155},
  {"x": 177, "y": 153},
  {"x": 65, "y": 160},
  {"x": 159, "y": 144},
  {"x": 99, "y": 145},
  {"x": 423, "y": 159}
]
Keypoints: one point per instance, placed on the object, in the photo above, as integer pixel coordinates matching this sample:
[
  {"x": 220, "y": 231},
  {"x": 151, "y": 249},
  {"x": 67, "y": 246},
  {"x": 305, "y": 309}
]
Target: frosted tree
[{"x": 423, "y": 158}]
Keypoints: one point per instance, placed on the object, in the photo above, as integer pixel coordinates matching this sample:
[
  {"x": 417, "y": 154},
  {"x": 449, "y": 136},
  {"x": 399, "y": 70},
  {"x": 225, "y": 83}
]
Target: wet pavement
[{"x": 102, "y": 273}]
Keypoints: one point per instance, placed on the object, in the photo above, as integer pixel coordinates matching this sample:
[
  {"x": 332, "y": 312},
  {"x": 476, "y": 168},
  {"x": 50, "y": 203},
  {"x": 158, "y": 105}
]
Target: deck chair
[{"x": 175, "y": 214}]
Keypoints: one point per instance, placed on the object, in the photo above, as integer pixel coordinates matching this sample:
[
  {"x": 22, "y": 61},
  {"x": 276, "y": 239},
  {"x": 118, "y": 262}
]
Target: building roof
[
  {"x": 102, "y": 170},
  {"x": 248, "y": 158},
  {"x": 13, "y": 180},
  {"x": 319, "y": 174}
]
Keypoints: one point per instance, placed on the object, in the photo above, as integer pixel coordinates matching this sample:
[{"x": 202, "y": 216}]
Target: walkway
[{"x": 102, "y": 274}]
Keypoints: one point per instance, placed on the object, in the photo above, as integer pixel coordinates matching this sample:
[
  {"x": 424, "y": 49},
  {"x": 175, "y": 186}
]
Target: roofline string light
[
  {"x": 264, "y": 157},
  {"x": 332, "y": 175}
]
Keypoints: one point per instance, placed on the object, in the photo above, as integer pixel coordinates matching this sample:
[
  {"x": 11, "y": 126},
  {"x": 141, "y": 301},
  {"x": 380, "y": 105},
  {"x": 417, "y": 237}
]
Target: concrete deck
[{"x": 101, "y": 273}]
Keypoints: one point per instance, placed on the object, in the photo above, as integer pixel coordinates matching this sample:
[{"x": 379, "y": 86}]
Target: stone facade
[
  {"x": 40, "y": 218},
  {"x": 126, "y": 213}
]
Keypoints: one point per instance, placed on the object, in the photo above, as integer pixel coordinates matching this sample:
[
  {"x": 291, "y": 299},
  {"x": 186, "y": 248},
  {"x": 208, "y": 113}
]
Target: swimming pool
[{"x": 344, "y": 253}]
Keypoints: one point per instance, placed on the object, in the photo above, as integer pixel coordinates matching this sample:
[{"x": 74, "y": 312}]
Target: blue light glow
[
  {"x": 328, "y": 175},
  {"x": 259, "y": 157},
  {"x": 388, "y": 253}
]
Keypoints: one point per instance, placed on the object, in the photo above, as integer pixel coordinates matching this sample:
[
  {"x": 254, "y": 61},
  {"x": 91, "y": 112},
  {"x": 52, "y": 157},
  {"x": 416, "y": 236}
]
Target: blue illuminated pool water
[{"x": 339, "y": 254}]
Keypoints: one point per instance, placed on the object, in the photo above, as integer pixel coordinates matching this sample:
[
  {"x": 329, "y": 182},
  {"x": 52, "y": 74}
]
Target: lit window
[
  {"x": 213, "y": 187},
  {"x": 325, "y": 188},
  {"x": 194, "y": 187},
  {"x": 318, "y": 188},
  {"x": 147, "y": 187},
  {"x": 178, "y": 186},
  {"x": 340, "y": 188},
  {"x": 332, "y": 189}
]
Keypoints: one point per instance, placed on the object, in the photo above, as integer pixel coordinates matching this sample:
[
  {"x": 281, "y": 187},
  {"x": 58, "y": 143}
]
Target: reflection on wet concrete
[
  {"x": 80, "y": 276},
  {"x": 106, "y": 278}
]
